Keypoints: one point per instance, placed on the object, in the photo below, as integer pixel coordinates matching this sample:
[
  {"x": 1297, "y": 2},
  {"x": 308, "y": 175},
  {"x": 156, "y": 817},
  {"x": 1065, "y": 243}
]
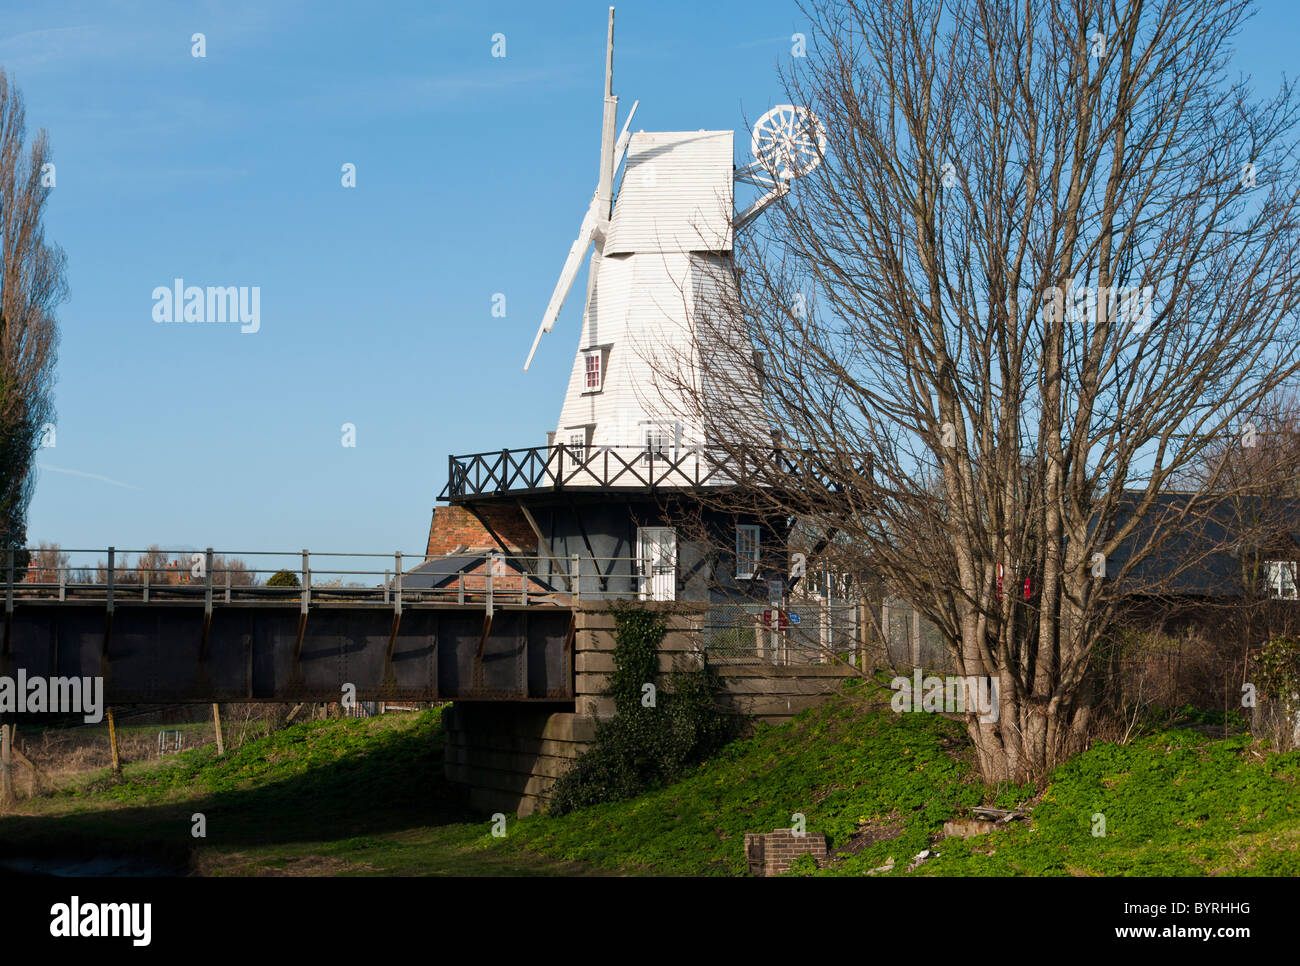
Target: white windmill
[{"x": 662, "y": 254}]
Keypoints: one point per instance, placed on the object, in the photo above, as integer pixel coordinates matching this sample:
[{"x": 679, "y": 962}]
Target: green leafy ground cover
[{"x": 368, "y": 797}]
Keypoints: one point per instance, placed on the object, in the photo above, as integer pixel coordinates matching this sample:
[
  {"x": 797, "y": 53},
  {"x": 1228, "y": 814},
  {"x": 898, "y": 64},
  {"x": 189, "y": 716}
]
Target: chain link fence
[{"x": 811, "y": 630}]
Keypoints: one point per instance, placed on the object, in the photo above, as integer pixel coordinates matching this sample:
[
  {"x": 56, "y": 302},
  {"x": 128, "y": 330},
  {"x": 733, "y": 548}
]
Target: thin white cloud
[
  {"x": 55, "y": 45},
  {"x": 89, "y": 476}
]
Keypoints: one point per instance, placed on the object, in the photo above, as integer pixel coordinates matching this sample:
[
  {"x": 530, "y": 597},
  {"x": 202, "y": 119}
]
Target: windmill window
[
  {"x": 593, "y": 371},
  {"x": 578, "y": 445},
  {"x": 658, "y": 441},
  {"x": 746, "y": 551}
]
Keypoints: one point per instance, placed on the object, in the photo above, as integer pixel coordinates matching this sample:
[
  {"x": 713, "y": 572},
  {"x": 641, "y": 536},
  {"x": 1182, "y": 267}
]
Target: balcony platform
[{"x": 511, "y": 474}]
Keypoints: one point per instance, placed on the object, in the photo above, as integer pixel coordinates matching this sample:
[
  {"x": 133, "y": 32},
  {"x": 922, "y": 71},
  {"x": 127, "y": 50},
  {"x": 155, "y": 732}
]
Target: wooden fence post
[
  {"x": 216, "y": 720},
  {"x": 112, "y": 743},
  {"x": 6, "y": 770}
]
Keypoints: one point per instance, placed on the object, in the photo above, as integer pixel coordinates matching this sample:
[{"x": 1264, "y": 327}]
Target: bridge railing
[{"x": 115, "y": 575}]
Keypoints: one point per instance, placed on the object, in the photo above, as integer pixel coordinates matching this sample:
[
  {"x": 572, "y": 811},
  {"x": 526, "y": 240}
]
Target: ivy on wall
[{"x": 660, "y": 728}]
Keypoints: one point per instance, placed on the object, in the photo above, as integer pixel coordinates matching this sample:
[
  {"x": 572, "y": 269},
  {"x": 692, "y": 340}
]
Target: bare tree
[
  {"x": 240, "y": 575},
  {"x": 48, "y": 561},
  {"x": 31, "y": 286},
  {"x": 1049, "y": 258},
  {"x": 156, "y": 563},
  {"x": 123, "y": 571}
]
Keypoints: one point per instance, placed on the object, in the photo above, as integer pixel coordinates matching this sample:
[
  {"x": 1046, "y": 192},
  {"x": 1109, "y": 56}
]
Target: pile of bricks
[{"x": 772, "y": 853}]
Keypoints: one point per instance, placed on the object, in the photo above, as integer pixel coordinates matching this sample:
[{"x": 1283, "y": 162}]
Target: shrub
[
  {"x": 284, "y": 578},
  {"x": 645, "y": 744},
  {"x": 1277, "y": 670}
]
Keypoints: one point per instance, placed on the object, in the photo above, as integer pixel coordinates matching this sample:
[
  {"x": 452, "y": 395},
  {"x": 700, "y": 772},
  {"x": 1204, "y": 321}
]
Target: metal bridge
[{"x": 192, "y": 626}]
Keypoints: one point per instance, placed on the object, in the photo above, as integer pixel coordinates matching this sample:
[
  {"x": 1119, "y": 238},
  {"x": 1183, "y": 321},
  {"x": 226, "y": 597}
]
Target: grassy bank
[
  {"x": 368, "y": 797},
  {"x": 332, "y": 797},
  {"x": 881, "y": 786}
]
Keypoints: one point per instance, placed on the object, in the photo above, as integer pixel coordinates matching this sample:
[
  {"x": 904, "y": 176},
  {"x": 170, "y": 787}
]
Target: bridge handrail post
[
  {"x": 207, "y": 582},
  {"x": 112, "y": 567},
  {"x": 388, "y": 579},
  {"x": 145, "y": 585},
  {"x": 63, "y": 585},
  {"x": 306, "y": 581},
  {"x": 227, "y": 583},
  {"x": 397, "y": 605},
  {"x": 9, "y": 583}
]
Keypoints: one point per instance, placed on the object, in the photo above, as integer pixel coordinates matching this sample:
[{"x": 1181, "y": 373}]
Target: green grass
[
  {"x": 836, "y": 766},
  {"x": 880, "y": 786},
  {"x": 1174, "y": 803},
  {"x": 367, "y": 797},
  {"x": 333, "y": 797}
]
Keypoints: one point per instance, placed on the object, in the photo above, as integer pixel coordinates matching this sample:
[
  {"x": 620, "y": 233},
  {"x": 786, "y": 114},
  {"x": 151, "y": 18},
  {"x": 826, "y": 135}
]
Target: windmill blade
[
  {"x": 586, "y": 232},
  {"x": 567, "y": 275},
  {"x": 624, "y": 137}
]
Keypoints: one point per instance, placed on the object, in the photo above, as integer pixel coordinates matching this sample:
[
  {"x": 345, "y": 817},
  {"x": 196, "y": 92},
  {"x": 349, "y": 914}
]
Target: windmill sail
[
  {"x": 586, "y": 232},
  {"x": 660, "y": 337},
  {"x": 640, "y": 377}
]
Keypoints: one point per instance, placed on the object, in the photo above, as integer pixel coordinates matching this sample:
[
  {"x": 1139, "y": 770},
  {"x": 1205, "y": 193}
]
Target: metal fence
[
  {"x": 170, "y": 741},
  {"x": 912, "y": 641},
  {"x": 115, "y": 575},
  {"x": 811, "y": 630}
]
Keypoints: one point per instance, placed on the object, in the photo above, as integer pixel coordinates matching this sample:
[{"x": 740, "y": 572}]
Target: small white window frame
[
  {"x": 748, "y": 536},
  {"x": 657, "y": 440},
  {"x": 1281, "y": 577},
  {"x": 589, "y": 356},
  {"x": 577, "y": 444}
]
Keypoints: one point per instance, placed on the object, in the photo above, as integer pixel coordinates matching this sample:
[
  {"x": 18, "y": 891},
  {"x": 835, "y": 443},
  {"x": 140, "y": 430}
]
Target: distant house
[{"x": 1215, "y": 548}]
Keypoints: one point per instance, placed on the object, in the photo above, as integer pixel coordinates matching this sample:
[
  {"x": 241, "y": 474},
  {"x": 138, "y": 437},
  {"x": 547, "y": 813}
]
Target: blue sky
[{"x": 472, "y": 173}]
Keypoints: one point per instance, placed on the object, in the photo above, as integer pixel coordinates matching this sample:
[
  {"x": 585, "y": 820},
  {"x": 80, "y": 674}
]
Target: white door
[{"x": 657, "y": 550}]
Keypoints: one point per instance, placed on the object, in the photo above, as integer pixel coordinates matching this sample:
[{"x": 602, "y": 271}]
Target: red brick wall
[
  {"x": 454, "y": 526},
  {"x": 774, "y": 852}
]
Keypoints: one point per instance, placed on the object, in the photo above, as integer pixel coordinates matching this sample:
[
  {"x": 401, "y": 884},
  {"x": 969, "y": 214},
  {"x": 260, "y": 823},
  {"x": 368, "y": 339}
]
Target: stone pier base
[{"x": 507, "y": 756}]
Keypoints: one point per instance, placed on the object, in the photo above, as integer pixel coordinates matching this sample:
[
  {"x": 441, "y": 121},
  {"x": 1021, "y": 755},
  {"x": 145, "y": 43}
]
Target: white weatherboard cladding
[
  {"x": 663, "y": 271},
  {"x": 728, "y": 378},
  {"x": 676, "y": 194},
  {"x": 635, "y": 309},
  {"x": 643, "y": 309}
]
